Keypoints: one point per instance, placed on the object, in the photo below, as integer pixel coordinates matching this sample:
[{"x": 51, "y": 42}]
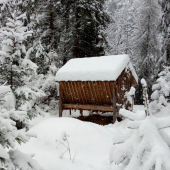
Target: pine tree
[
  {"x": 47, "y": 35},
  {"x": 161, "y": 91},
  {"x": 10, "y": 157},
  {"x": 120, "y": 30},
  {"x": 44, "y": 52},
  {"x": 146, "y": 146},
  {"x": 84, "y": 23},
  {"x": 16, "y": 67},
  {"x": 147, "y": 40},
  {"x": 14, "y": 62},
  {"x": 166, "y": 33}
]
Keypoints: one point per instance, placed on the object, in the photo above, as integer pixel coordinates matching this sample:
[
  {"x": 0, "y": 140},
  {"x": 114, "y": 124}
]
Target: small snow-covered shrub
[
  {"x": 146, "y": 146},
  {"x": 64, "y": 137},
  {"x": 11, "y": 158},
  {"x": 50, "y": 88},
  {"x": 161, "y": 91}
]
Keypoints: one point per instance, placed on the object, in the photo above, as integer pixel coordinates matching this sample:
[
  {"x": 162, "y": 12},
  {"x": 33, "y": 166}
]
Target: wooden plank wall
[
  {"x": 95, "y": 93},
  {"x": 98, "y": 93}
]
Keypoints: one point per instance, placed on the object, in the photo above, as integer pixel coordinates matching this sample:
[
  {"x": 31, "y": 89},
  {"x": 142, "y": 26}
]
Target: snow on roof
[{"x": 105, "y": 68}]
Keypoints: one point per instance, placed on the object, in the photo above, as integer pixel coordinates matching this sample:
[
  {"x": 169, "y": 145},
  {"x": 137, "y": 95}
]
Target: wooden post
[
  {"x": 60, "y": 99},
  {"x": 114, "y": 103},
  {"x": 81, "y": 112},
  {"x": 132, "y": 102},
  {"x": 70, "y": 111}
]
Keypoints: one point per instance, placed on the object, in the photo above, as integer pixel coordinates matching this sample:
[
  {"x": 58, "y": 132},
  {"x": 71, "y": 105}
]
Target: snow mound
[{"x": 90, "y": 142}]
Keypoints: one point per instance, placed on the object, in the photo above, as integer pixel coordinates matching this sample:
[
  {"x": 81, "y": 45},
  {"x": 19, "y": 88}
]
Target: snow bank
[
  {"x": 90, "y": 142},
  {"x": 146, "y": 147},
  {"x": 4, "y": 89},
  {"x": 106, "y": 68}
]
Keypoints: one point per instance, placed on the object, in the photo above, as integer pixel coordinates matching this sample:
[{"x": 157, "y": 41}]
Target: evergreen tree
[
  {"x": 120, "y": 30},
  {"x": 10, "y": 157},
  {"x": 14, "y": 62},
  {"x": 44, "y": 51},
  {"x": 147, "y": 40},
  {"x": 166, "y": 31},
  {"x": 47, "y": 35},
  {"x": 161, "y": 91},
  {"x": 146, "y": 145},
  {"x": 84, "y": 24},
  {"x": 16, "y": 67}
]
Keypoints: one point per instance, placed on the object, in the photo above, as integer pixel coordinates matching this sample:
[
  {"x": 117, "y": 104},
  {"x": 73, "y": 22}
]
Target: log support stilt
[
  {"x": 61, "y": 99},
  {"x": 114, "y": 103}
]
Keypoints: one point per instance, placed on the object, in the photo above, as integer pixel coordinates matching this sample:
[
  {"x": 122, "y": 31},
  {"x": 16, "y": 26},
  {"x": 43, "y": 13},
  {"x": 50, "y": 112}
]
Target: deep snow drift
[{"x": 90, "y": 142}]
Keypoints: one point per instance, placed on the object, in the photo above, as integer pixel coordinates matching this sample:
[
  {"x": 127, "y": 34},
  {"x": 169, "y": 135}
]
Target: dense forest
[{"x": 37, "y": 37}]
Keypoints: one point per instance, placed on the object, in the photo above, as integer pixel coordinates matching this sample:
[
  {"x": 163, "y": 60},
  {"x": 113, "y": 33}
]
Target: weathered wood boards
[
  {"x": 99, "y": 93},
  {"x": 97, "y": 84},
  {"x": 104, "y": 96},
  {"x": 88, "y": 107}
]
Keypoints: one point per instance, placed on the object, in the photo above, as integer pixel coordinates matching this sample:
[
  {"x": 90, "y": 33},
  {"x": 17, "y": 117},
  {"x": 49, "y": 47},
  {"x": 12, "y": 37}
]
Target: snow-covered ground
[{"x": 90, "y": 142}]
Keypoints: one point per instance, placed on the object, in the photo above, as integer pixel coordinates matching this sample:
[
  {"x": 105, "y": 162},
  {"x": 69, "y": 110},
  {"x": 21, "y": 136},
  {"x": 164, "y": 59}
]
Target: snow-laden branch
[
  {"x": 163, "y": 122},
  {"x": 146, "y": 147},
  {"x": 132, "y": 116}
]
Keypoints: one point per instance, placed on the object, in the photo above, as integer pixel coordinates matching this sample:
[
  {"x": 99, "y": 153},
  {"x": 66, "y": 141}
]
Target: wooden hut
[{"x": 96, "y": 84}]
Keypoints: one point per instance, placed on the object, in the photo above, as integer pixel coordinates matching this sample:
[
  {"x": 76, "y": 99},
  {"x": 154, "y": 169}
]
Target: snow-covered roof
[{"x": 105, "y": 68}]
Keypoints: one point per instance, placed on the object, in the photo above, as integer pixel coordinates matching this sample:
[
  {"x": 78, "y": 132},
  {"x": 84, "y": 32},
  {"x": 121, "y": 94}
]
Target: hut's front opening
[{"x": 93, "y": 96}]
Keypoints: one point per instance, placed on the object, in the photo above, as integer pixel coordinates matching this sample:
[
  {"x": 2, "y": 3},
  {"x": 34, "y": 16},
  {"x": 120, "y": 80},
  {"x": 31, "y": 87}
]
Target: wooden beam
[
  {"x": 81, "y": 112},
  {"x": 61, "y": 99},
  {"x": 88, "y": 107},
  {"x": 114, "y": 103}
]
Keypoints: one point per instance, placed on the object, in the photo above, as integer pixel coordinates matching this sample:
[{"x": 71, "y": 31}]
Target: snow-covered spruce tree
[
  {"x": 13, "y": 50},
  {"x": 120, "y": 28},
  {"x": 16, "y": 68},
  {"x": 47, "y": 35},
  {"x": 147, "y": 40},
  {"x": 83, "y": 32},
  {"x": 44, "y": 52},
  {"x": 161, "y": 91},
  {"x": 10, "y": 157},
  {"x": 166, "y": 30},
  {"x": 146, "y": 146}
]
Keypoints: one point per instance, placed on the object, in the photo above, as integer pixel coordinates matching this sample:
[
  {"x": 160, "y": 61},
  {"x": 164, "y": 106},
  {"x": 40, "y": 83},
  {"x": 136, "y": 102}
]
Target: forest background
[{"x": 39, "y": 36}]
